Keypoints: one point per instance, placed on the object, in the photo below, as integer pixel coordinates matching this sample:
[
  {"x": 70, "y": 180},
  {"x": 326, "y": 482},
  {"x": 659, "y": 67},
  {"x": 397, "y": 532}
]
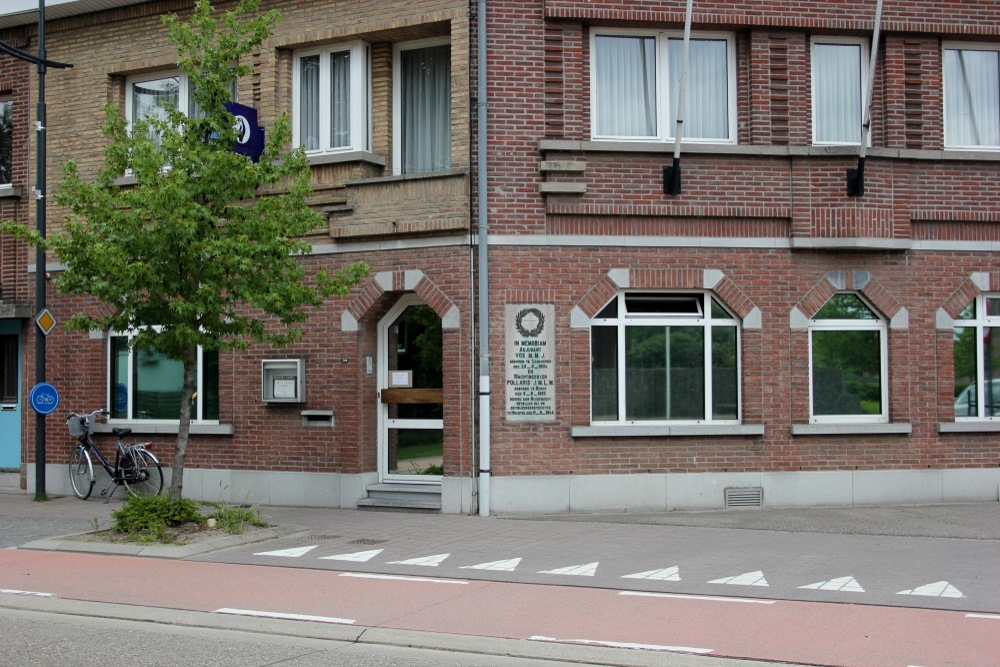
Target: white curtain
[
  {"x": 972, "y": 97},
  {"x": 309, "y": 102},
  {"x": 626, "y": 86},
  {"x": 425, "y": 109},
  {"x": 837, "y": 92},
  {"x": 340, "y": 99},
  {"x": 706, "y": 100}
]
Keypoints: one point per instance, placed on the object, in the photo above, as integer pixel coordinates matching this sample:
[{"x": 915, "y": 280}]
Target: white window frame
[
  {"x": 397, "y": 111},
  {"x": 980, "y": 321},
  {"x": 864, "y": 48},
  {"x": 8, "y": 100},
  {"x": 182, "y": 95},
  {"x": 961, "y": 46},
  {"x": 361, "y": 90},
  {"x": 666, "y": 128},
  {"x": 198, "y": 407},
  {"x": 879, "y": 325},
  {"x": 702, "y": 320}
]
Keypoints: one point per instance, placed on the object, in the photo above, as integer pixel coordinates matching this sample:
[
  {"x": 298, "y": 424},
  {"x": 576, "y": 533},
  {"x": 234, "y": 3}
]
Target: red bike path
[{"x": 774, "y": 630}]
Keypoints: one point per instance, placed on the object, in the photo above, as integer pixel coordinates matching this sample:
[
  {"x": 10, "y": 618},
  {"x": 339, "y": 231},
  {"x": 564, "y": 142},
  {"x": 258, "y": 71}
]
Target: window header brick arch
[
  {"x": 856, "y": 281},
  {"x": 412, "y": 280},
  {"x": 665, "y": 279},
  {"x": 970, "y": 288}
]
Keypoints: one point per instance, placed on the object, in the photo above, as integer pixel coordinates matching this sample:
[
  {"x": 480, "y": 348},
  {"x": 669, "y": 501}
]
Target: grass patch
[
  {"x": 235, "y": 520},
  {"x": 149, "y": 519}
]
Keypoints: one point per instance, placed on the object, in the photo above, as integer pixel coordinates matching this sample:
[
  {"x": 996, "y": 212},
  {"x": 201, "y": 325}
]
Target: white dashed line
[
  {"x": 425, "y": 561},
  {"x": 746, "y": 579},
  {"x": 643, "y": 647},
  {"x": 287, "y": 617},
  {"x": 288, "y": 553},
  {"x": 680, "y": 596},
  {"x": 395, "y": 577},
  {"x": 995, "y": 617},
  {"x": 586, "y": 570},
  {"x": 356, "y": 557},
  {"x": 940, "y": 589},
  {"x": 11, "y": 591}
]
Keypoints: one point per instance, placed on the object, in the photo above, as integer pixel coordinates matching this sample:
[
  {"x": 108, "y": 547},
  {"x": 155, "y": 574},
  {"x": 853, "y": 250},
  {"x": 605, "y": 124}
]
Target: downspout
[
  {"x": 856, "y": 177},
  {"x": 672, "y": 174},
  {"x": 484, "y": 294}
]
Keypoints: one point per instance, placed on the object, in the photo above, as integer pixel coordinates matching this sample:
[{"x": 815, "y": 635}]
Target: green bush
[
  {"x": 151, "y": 515},
  {"x": 235, "y": 520}
]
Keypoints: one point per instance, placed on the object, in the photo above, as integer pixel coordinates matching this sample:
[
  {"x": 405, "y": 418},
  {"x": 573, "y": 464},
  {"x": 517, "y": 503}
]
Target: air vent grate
[{"x": 750, "y": 496}]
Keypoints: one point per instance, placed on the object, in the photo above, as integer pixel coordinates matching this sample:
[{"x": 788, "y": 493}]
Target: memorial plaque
[{"x": 530, "y": 361}]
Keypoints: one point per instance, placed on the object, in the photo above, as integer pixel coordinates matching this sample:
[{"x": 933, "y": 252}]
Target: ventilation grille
[{"x": 750, "y": 496}]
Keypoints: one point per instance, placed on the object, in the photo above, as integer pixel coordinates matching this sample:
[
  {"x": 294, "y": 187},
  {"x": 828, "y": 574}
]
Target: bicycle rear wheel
[
  {"x": 81, "y": 473},
  {"x": 146, "y": 478}
]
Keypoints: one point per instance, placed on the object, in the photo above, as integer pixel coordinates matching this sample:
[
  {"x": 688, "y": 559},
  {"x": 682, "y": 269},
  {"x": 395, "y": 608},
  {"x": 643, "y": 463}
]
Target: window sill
[
  {"x": 349, "y": 156},
  {"x": 9, "y": 191},
  {"x": 856, "y": 428},
  {"x": 418, "y": 176},
  {"x": 141, "y": 427},
  {"x": 969, "y": 427},
  {"x": 666, "y": 431}
]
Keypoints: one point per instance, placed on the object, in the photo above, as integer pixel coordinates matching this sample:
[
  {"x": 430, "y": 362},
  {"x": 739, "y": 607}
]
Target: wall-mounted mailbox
[{"x": 283, "y": 380}]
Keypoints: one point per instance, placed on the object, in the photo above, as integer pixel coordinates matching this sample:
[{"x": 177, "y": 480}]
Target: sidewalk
[{"x": 940, "y": 556}]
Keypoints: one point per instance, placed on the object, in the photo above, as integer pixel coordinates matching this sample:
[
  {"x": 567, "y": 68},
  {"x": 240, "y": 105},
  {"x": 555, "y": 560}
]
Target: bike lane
[{"x": 777, "y": 630}]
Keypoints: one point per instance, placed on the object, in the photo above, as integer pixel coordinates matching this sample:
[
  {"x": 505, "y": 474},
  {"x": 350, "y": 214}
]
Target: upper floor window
[
  {"x": 148, "y": 96},
  {"x": 147, "y": 384},
  {"x": 847, "y": 362},
  {"x": 331, "y": 103},
  {"x": 972, "y": 96},
  {"x": 6, "y": 142},
  {"x": 977, "y": 362},
  {"x": 635, "y": 83},
  {"x": 839, "y": 67},
  {"x": 664, "y": 357},
  {"x": 422, "y": 106}
]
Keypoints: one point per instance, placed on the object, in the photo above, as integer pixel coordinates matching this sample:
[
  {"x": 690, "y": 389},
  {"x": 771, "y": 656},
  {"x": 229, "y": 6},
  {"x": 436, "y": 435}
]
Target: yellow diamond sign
[{"x": 45, "y": 321}]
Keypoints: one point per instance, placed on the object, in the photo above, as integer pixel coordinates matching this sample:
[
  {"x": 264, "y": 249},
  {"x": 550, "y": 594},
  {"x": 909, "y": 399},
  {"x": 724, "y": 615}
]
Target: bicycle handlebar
[{"x": 99, "y": 411}]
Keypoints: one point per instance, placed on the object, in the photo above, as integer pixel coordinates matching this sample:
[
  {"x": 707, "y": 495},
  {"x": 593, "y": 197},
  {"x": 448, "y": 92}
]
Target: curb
[{"x": 67, "y": 543}]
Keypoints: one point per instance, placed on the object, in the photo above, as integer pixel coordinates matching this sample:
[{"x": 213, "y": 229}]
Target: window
[
  {"x": 972, "y": 96},
  {"x": 635, "y": 83},
  {"x": 8, "y": 368},
  {"x": 847, "y": 362},
  {"x": 664, "y": 357},
  {"x": 422, "y": 107},
  {"x": 839, "y": 70},
  {"x": 331, "y": 101},
  {"x": 6, "y": 142},
  {"x": 146, "y": 384},
  {"x": 977, "y": 362},
  {"x": 148, "y": 96}
]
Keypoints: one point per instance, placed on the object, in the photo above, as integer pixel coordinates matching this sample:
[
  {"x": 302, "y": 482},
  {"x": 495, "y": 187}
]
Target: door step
[
  {"x": 403, "y": 498},
  {"x": 10, "y": 482}
]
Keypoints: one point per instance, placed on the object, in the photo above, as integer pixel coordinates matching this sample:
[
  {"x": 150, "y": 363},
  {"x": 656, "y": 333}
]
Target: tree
[{"x": 205, "y": 243}]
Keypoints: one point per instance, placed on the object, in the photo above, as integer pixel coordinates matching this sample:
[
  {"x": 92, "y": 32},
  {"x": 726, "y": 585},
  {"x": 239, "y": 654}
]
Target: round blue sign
[{"x": 44, "y": 398}]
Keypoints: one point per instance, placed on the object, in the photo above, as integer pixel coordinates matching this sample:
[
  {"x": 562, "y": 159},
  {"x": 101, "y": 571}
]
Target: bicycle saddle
[{"x": 121, "y": 431}]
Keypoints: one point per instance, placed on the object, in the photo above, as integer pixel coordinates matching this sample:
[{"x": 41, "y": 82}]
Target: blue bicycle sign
[{"x": 44, "y": 398}]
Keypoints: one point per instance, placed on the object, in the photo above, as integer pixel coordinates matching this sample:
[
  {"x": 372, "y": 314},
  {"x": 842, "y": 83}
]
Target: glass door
[
  {"x": 411, "y": 442},
  {"x": 10, "y": 395}
]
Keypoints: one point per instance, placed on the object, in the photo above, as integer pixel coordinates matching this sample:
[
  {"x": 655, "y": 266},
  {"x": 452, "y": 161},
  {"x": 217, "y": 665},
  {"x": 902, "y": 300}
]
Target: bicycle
[{"x": 135, "y": 467}]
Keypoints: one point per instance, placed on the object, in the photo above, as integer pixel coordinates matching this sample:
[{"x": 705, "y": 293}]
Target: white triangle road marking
[
  {"x": 508, "y": 565},
  {"x": 745, "y": 579},
  {"x": 940, "y": 589},
  {"x": 586, "y": 570},
  {"x": 847, "y": 584},
  {"x": 288, "y": 553},
  {"x": 356, "y": 557},
  {"x": 426, "y": 561},
  {"x": 667, "y": 574}
]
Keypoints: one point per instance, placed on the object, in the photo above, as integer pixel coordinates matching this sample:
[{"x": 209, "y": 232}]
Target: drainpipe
[
  {"x": 856, "y": 177},
  {"x": 672, "y": 174},
  {"x": 484, "y": 295}
]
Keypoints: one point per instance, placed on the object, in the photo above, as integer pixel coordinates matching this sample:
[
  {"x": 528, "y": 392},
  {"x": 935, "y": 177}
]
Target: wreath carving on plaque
[{"x": 519, "y": 322}]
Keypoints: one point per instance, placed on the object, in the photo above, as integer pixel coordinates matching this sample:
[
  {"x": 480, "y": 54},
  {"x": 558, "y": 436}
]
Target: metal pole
[
  {"x": 484, "y": 275},
  {"x": 672, "y": 174},
  {"x": 40, "y": 255}
]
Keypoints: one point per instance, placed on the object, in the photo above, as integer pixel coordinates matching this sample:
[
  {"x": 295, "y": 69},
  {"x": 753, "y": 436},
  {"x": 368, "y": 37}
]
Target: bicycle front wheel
[
  {"x": 81, "y": 473},
  {"x": 146, "y": 479}
]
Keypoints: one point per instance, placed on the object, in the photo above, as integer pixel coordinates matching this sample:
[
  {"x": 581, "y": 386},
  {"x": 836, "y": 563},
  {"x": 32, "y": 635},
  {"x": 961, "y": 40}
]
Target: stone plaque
[{"x": 530, "y": 360}]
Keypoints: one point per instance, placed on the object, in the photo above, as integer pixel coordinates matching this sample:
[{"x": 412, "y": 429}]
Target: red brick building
[{"x": 761, "y": 336}]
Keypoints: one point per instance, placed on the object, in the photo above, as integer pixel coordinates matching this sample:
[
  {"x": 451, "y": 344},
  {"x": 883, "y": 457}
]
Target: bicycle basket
[{"x": 78, "y": 424}]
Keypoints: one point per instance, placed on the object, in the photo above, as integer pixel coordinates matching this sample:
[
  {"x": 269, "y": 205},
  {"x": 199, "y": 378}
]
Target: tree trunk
[{"x": 184, "y": 427}]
